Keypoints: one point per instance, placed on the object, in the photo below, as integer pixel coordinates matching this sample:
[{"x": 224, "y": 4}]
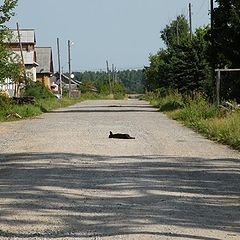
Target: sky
[{"x": 124, "y": 32}]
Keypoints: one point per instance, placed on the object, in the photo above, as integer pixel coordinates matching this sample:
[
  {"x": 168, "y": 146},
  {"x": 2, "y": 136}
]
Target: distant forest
[{"x": 132, "y": 80}]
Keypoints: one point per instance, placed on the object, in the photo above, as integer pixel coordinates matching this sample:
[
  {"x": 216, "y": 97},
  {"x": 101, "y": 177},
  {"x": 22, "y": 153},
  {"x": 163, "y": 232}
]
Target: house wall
[
  {"x": 31, "y": 72},
  {"x": 45, "y": 79}
]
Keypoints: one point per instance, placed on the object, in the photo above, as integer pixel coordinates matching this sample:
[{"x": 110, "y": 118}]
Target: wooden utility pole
[
  {"x": 69, "y": 68},
  {"x": 213, "y": 53},
  {"x": 21, "y": 50},
  {"x": 177, "y": 32},
  {"x": 190, "y": 20},
  {"x": 59, "y": 68},
  {"x": 109, "y": 77},
  {"x": 113, "y": 72}
]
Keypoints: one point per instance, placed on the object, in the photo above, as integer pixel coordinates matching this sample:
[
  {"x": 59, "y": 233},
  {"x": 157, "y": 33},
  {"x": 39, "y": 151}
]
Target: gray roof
[
  {"x": 26, "y": 36},
  {"x": 44, "y": 59}
]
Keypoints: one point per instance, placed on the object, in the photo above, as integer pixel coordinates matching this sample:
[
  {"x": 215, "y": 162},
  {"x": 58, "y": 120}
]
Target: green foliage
[
  {"x": 177, "y": 32},
  {"x": 225, "y": 130},
  {"x": 132, "y": 80},
  {"x": 9, "y": 64},
  {"x": 226, "y": 30},
  {"x": 184, "y": 65},
  {"x": 5, "y": 102},
  {"x": 29, "y": 110},
  {"x": 196, "y": 112},
  {"x": 87, "y": 86},
  {"x": 37, "y": 90},
  {"x": 6, "y": 11},
  {"x": 226, "y": 51}
]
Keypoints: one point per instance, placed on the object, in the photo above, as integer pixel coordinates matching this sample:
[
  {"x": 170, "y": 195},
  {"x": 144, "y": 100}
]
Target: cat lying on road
[{"x": 120, "y": 135}]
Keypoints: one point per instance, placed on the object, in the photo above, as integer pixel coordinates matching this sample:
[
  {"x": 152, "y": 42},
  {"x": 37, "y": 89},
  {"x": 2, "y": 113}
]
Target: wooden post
[{"x": 218, "y": 82}]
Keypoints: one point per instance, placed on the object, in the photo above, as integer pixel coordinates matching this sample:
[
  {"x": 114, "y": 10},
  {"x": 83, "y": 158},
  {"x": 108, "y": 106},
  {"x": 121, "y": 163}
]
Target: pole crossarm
[{"x": 228, "y": 70}]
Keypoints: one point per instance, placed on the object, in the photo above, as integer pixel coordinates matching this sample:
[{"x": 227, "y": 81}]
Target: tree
[
  {"x": 226, "y": 30},
  {"x": 9, "y": 66},
  {"x": 184, "y": 64},
  {"x": 226, "y": 35},
  {"x": 177, "y": 32}
]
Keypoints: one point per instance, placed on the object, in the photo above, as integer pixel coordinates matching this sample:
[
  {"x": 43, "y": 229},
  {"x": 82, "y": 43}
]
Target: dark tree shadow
[{"x": 118, "y": 197}]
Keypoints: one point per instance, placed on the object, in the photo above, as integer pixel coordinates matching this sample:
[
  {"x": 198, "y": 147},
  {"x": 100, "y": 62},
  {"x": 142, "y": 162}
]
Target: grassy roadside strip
[
  {"x": 30, "y": 110},
  {"x": 8, "y": 108},
  {"x": 198, "y": 114}
]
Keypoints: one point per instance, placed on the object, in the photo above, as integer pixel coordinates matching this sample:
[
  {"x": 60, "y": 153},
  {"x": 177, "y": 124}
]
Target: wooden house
[
  {"x": 28, "y": 42},
  {"x": 45, "y": 68}
]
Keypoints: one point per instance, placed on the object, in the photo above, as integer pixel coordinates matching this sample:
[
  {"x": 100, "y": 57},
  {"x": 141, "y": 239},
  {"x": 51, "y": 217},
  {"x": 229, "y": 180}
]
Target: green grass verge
[
  {"x": 30, "y": 110},
  {"x": 198, "y": 114},
  {"x": 44, "y": 105}
]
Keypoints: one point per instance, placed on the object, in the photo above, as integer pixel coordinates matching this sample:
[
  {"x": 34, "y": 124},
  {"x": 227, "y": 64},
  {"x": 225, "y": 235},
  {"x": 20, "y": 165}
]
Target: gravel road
[{"x": 61, "y": 177}]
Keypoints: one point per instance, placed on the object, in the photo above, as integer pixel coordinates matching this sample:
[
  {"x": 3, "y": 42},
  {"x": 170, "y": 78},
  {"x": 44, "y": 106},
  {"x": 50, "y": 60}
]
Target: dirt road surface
[{"x": 61, "y": 177}]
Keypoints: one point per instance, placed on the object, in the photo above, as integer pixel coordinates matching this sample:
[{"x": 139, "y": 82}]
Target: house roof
[
  {"x": 44, "y": 59},
  {"x": 26, "y": 36}
]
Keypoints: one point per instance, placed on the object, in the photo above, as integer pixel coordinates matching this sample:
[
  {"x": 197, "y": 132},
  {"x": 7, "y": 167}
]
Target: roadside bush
[
  {"x": 196, "y": 110},
  {"x": 5, "y": 102},
  {"x": 165, "y": 100},
  {"x": 37, "y": 90}
]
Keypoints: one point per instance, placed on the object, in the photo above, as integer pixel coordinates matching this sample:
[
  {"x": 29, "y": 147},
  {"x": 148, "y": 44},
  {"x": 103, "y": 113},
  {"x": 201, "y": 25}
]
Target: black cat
[{"x": 120, "y": 135}]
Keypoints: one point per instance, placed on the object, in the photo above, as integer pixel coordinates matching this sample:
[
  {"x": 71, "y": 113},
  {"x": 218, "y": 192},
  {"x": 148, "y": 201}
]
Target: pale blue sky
[{"x": 124, "y": 32}]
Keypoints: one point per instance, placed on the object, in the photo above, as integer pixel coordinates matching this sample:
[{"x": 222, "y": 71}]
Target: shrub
[{"x": 37, "y": 90}]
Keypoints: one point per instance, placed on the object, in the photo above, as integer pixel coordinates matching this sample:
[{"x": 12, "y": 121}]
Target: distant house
[
  {"x": 65, "y": 84},
  {"x": 45, "y": 65},
  {"x": 28, "y": 42}
]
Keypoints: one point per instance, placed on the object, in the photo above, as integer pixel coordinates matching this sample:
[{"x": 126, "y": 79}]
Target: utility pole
[
  {"x": 177, "y": 32},
  {"x": 113, "y": 72},
  {"x": 59, "y": 68},
  {"x": 21, "y": 50},
  {"x": 212, "y": 51},
  {"x": 190, "y": 20},
  {"x": 69, "y": 68},
  {"x": 109, "y": 77}
]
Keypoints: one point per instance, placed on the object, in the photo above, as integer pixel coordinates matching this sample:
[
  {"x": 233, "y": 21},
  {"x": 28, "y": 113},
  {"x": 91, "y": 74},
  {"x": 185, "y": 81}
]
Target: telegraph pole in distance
[
  {"x": 59, "y": 68},
  {"x": 190, "y": 20},
  {"x": 109, "y": 77},
  {"x": 212, "y": 51},
  {"x": 69, "y": 68},
  {"x": 21, "y": 50}
]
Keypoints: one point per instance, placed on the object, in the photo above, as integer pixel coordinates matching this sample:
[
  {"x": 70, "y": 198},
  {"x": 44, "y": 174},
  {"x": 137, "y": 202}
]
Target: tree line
[
  {"x": 130, "y": 80},
  {"x": 187, "y": 62}
]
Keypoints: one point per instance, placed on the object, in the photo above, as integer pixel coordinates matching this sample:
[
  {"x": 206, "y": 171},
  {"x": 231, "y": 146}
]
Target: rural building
[
  {"x": 45, "y": 68},
  {"x": 38, "y": 61},
  {"x": 28, "y": 41}
]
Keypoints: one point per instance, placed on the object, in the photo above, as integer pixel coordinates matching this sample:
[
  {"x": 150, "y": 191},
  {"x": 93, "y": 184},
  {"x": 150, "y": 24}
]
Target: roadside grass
[
  {"x": 30, "y": 110},
  {"x": 197, "y": 113},
  {"x": 8, "y": 108}
]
